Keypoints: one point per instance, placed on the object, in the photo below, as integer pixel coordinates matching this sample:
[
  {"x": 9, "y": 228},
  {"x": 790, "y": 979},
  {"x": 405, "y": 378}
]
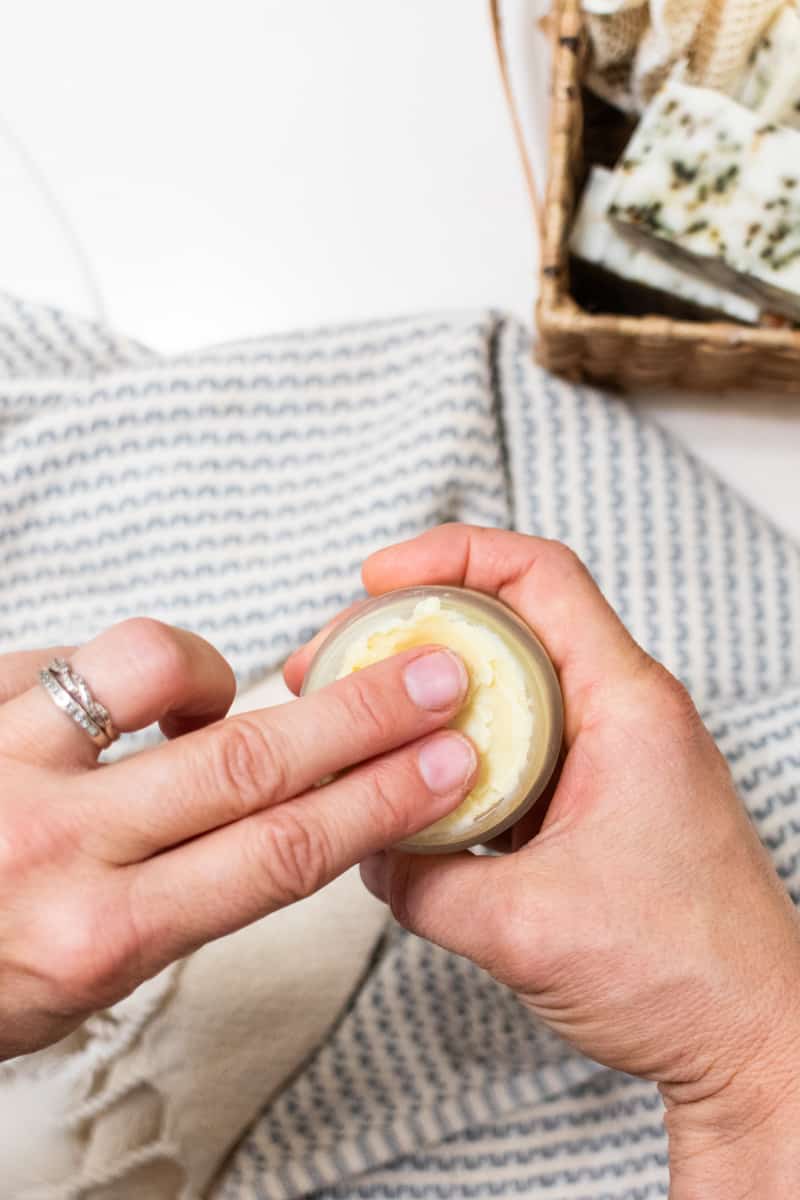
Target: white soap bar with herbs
[
  {"x": 771, "y": 84},
  {"x": 703, "y": 181},
  {"x": 596, "y": 240}
]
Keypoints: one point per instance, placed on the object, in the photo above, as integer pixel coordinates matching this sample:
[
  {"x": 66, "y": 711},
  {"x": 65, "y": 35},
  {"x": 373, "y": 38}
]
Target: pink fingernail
[
  {"x": 446, "y": 762},
  {"x": 436, "y": 680}
]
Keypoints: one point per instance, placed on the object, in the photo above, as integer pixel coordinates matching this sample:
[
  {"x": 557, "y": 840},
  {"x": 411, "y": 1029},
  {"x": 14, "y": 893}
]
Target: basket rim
[{"x": 566, "y": 317}]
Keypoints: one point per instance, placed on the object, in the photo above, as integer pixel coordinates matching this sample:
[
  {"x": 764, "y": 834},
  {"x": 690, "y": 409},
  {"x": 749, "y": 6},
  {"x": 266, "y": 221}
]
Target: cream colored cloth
[
  {"x": 232, "y": 1025},
  {"x": 636, "y": 43}
]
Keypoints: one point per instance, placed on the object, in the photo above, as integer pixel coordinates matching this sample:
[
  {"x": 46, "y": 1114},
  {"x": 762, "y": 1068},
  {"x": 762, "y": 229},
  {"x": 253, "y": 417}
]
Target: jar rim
[{"x": 541, "y": 683}]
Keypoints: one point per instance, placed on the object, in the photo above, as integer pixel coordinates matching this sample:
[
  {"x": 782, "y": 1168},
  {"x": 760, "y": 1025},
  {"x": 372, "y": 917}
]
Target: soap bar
[
  {"x": 595, "y": 239},
  {"x": 704, "y": 180},
  {"x": 771, "y": 83}
]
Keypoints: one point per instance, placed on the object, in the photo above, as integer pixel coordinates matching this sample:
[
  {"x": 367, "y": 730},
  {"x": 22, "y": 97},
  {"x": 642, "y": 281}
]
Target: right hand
[
  {"x": 109, "y": 873},
  {"x": 644, "y": 922}
]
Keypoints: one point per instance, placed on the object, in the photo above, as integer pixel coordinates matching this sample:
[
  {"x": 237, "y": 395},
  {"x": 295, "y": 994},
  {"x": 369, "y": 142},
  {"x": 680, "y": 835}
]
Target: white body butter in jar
[{"x": 513, "y": 710}]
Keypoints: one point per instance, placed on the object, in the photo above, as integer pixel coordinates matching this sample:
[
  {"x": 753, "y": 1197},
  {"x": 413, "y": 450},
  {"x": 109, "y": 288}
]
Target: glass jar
[{"x": 513, "y": 710}]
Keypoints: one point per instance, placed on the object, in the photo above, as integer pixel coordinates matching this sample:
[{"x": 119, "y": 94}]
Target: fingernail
[
  {"x": 436, "y": 680},
  {"x": 446, "y": 762},
  {"x": 373, "y": 875}
]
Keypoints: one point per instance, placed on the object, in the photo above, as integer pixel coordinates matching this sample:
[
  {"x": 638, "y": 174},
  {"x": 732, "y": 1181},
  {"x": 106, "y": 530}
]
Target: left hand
[{"x": 108, "y": 873}]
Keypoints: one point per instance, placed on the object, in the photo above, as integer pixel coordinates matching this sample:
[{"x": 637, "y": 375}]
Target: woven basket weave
[{"x": 630, "y": 351}]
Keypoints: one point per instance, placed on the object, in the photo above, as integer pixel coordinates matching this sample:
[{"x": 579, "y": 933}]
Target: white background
[{"x": 198, "y": 170}]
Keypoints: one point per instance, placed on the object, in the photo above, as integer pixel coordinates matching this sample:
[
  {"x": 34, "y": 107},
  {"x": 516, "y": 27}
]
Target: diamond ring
[{"x": 71, "y": 693}]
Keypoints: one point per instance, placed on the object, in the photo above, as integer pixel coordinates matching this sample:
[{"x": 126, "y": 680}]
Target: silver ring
[{"x": 71, "y": 693}]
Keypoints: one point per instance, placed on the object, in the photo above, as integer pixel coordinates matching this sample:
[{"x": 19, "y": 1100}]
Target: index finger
[
  {"x": 259, "y": 759},
  {"x": 543, "y": 581}
]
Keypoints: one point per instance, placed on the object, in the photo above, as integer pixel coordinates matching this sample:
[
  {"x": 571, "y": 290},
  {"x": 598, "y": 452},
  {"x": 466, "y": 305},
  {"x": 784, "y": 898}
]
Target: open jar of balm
[{"x": 512, "y": 713}]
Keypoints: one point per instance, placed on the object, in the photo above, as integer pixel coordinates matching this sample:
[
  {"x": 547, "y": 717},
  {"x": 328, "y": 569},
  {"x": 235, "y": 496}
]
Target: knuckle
[
  {"x": 662, "y": 712},
  {"x": 564, "y": 559},
  {"x": 296, "y": 856},
  {"x": 668, "y": 701},
  {"x": 15, "y": 852},
  {"x": 365, "y": 711},
  {"x": 87, "y": 964},
  {"x": 249, "y": 765},
  {"x": 29, "y": 839},
  {"x": 520, "y": 947},
  {"x": 163, "y": 655},
  {"x": 389, "y": 790}
]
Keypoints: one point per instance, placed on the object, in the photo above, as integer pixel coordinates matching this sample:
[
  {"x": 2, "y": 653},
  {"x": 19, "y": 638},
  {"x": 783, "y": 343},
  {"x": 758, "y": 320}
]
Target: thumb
[{"x": 486, "y": 909}]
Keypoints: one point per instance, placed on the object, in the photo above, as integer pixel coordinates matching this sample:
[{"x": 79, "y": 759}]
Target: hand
[
  {"x": 109, "y": 873},
  {"x": 644, "y": 921}
]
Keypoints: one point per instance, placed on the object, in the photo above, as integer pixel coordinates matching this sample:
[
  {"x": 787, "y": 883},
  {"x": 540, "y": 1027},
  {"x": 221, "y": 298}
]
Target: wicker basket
[{"x": 631, "y": 351}]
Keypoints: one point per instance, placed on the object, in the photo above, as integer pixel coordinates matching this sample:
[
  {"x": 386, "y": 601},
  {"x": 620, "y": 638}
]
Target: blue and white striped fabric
[{"x": 236, "y": 491}]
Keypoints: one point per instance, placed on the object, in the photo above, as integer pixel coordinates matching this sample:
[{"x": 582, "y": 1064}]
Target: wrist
[
  {"x": 740, "y": 1140},
  {"x": 759, "y": 1164}
]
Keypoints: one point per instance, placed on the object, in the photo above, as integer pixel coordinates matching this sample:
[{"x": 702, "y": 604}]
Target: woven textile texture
[{"x": 236, "y": 490}]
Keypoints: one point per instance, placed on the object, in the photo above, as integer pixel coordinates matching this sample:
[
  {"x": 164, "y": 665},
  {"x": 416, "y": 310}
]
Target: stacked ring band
[{"x": 71, "y": 693}]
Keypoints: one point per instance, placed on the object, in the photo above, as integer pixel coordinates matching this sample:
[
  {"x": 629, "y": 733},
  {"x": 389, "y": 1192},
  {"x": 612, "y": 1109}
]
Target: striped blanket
[{"x": 236, "y": 491}]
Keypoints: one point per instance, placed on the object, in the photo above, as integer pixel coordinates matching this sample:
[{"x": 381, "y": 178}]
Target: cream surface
[{"x": 497, "y": 714}]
